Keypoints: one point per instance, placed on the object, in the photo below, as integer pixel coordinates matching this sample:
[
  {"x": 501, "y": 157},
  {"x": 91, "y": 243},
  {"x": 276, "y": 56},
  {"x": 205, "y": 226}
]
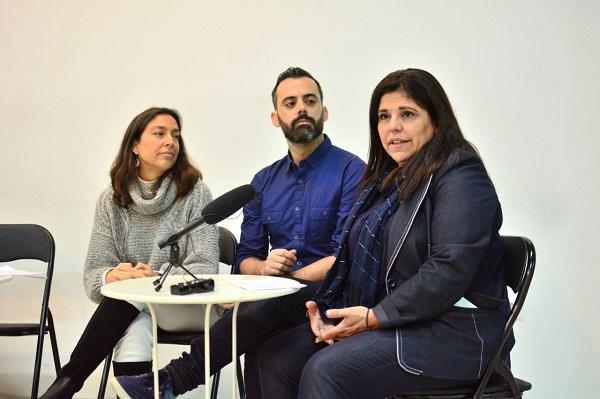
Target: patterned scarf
[{"x": 353, "y": 282}]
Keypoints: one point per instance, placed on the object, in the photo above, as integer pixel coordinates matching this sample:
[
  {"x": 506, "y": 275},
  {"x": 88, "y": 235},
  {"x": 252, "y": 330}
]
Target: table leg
[
  {"x": 234, "y": 357},
  {"x": 207, "y": 351},
  {"x": 154, "y": 349}
]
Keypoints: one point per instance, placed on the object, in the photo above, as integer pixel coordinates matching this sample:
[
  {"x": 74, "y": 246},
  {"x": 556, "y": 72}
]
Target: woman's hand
[
  {"x": 317, "y": 325},
  {"x": 126, "y": 271},
  {"x": 353, "y": 322}
]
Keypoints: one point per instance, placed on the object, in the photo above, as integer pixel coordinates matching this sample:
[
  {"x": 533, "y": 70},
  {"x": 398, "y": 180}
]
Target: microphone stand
[{"x": 173, "y": 261}]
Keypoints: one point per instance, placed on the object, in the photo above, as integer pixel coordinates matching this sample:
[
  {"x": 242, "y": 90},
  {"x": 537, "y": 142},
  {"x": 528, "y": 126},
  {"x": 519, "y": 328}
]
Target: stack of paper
[
  {"x": 268, "y": 284},
  {"x": 11, "y": 271}
]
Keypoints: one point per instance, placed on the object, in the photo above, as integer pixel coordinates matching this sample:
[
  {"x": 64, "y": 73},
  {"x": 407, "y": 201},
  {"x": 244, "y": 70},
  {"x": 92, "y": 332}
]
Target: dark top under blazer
[{"x": 459, "y": 211}]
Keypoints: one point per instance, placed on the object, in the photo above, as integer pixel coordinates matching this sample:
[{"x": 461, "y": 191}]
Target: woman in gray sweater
[{"x": 154, "y": 190}]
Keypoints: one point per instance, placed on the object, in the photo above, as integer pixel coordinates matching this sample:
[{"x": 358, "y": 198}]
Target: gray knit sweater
[{"x": 130, "y": 235}]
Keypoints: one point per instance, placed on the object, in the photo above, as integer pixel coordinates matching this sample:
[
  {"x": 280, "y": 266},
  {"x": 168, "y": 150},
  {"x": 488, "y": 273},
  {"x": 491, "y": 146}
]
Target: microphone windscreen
[{"x": 227, "y": 204}]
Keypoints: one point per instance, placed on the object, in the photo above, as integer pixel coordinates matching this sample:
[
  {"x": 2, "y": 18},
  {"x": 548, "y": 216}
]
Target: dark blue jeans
[
  {"x": 292, "y": 365},
  {"x": 257, "y": 322}
]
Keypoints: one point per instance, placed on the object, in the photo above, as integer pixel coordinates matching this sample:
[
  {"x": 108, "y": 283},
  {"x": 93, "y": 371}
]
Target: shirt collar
[{"x": 317, "y": 155}]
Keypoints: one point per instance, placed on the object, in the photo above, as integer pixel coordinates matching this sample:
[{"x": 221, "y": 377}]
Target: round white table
[{"x": 227, "y": 290}]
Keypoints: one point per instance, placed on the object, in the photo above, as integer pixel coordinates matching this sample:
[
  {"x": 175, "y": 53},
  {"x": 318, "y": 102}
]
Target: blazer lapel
[{"x": 405, "y": 216}]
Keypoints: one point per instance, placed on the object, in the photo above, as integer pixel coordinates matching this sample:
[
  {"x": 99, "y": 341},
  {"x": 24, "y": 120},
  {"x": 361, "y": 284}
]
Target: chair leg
[
  {"x": 510, "y": 379},
  {"x": 38, "y": 361},
  {"x": 104, "y": 379},
  {"x": 53, "y": 342},
  {"x": 214, "y": 390},
  {"x": 240, "y": 380},
  {"x": 501, "y": 369}
]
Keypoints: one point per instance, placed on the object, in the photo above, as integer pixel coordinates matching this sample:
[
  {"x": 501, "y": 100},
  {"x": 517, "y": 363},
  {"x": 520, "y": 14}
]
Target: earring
[{"x": 137, "y": 161}]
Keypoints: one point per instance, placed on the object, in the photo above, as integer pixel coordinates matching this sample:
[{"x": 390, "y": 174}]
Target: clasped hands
[
  {"x": 126, "y": 271},
  {"x": 353, "y": 322},
  {"x": 279, "y": 262}
]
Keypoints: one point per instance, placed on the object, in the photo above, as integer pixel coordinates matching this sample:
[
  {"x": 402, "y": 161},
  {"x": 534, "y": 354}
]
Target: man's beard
[{"x": 304, "y": 133}]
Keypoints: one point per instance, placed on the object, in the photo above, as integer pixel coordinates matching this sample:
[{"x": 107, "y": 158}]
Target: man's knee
[{"x": 275, "y": 365}]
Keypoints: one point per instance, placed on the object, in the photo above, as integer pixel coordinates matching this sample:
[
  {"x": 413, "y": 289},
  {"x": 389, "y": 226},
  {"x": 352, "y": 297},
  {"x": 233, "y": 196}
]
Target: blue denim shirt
[{"x": 301, "y": 207}]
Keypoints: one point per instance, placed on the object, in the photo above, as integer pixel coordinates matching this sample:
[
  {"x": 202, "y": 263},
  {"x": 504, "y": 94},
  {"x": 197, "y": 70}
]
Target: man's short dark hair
[{"x": 293, "y": 72}]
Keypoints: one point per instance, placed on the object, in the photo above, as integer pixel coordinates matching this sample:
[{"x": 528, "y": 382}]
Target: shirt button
[
  {"x": 391, "y": 283},
  {"x": 297, "y": 208},
  {"x": 299, "y": 263},
  {"x": 295, "y": 236},
  {"x": 300, "y": 181}
]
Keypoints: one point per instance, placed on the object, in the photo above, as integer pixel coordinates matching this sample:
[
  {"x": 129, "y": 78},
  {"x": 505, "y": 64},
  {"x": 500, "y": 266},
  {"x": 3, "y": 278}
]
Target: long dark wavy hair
[
  {"x": 124, "y": 170},
  {"x": 424, "y": 89}
]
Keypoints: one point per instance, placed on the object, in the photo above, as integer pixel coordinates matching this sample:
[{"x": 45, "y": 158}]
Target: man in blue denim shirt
[{"x": 304, "y": 197}]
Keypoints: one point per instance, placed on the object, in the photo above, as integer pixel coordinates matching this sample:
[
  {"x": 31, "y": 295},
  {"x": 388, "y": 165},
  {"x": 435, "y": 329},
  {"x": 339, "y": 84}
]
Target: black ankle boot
[
  {"x": 104, "y": 330},
  {"x": 61, "y": 388}
]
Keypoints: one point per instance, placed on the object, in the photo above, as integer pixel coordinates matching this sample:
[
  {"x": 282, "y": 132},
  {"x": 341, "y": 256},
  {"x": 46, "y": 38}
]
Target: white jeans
[{"x": 136, "y": 343}]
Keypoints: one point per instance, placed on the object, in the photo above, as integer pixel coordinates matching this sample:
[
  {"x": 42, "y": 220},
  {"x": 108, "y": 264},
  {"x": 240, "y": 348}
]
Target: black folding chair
[
  {"x": 227, "y": 252},
  {"x": 30, "y": 241},
  {"x": 498, "y": 381}
]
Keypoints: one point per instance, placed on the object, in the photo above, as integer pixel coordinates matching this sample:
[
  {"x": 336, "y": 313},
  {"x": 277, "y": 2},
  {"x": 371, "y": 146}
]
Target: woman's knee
[
  {"x": 325, "y": 375},
  {"x": 319, "y": 368},
  {"x": 136, "y": 343}
]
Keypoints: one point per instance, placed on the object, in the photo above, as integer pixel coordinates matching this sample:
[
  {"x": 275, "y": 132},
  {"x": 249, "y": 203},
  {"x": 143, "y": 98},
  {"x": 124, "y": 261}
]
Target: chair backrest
[
  {"x": 25, "y": 241},
  {"x": 519, "y": 265},
  {"x": 518, "y": 253},
  {"x": 227, "y": 246},
  {"x": 29, "y": 241}
]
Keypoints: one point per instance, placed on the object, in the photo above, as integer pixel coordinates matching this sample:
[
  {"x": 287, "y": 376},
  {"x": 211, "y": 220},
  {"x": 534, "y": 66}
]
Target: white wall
[{"x": 523, "y": 78}]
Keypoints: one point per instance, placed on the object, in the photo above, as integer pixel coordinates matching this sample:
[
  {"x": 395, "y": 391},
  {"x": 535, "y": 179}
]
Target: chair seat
[
  {"x": 496, "y": 389},
  {"x": 176, "y": 337},
  {"x": 17, "y": 329}
]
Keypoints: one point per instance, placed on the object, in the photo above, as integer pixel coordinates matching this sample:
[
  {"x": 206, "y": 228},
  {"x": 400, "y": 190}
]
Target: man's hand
[
  {"x": 317, "y": 325},
  {"x": 126, "y": 271},
  {"x": 278, "y": 262}
]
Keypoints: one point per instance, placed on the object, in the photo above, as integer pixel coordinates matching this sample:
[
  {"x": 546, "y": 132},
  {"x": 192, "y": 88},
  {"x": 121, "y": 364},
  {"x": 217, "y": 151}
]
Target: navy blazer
[{"x": 443, "y": 244}]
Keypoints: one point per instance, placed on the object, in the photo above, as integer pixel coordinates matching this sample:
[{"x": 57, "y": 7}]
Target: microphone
[
  {"x": 215, "y": 211},
  {"x": 227, "y": 204}
]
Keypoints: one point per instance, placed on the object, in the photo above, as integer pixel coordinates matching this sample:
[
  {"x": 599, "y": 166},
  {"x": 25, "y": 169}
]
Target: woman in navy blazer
[{"x": 417, "y": 297}]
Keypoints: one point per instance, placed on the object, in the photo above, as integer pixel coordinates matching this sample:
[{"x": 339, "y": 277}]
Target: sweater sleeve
[
  {"x": 102, "y": 252},
  {"x": 202, "y": 249}
]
